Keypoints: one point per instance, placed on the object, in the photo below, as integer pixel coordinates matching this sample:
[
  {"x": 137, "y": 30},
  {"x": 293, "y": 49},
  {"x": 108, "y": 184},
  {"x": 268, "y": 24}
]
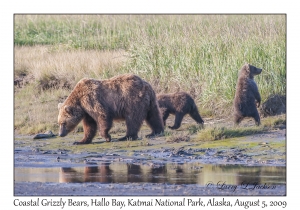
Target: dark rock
[{"x": 274, "y": 105}]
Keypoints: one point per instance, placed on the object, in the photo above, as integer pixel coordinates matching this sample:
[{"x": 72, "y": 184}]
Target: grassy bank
[{"x": 200, "y": 54}]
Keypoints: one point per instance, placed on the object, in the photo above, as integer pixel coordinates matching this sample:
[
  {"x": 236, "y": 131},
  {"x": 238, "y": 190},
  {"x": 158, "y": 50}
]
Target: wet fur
[
  {"x": 179, "y": 104},
  {"x": 99, "y": 102}
]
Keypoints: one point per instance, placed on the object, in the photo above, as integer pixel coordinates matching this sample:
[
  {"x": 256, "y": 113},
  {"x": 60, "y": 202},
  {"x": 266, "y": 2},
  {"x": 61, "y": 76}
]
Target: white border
[{"x": 154, "y": 6}]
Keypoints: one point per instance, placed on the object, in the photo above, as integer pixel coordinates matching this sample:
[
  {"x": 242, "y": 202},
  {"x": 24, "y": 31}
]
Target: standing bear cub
[
  {"x": 178, "y": 104},
  {"x": 98, "y": 102},
  {"x": 247, "y": 95}
]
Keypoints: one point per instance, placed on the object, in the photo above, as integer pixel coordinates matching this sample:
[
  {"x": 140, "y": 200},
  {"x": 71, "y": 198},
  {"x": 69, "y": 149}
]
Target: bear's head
[
  {"x": 68, "y": 118},
  {"x": 250, "y": 71},
  {"x": 254, "y": 70}
]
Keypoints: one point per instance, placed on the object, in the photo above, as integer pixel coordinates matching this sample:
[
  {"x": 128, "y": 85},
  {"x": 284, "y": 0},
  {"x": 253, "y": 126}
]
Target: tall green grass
[
  {"x": 75, "y": 31},
  {"x": 200, "y": 54}
]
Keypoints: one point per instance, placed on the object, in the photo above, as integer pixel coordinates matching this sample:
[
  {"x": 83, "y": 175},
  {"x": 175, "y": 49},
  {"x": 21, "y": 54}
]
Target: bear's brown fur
[
  {"x": 179, "y": 104},
  {"x": 247, "y": 95},
  {"x": 98, "y": 102}
]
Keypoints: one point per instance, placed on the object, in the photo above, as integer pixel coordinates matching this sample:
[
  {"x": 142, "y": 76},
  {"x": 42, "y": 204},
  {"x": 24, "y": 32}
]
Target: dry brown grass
[{"x": 48, "y": 63}]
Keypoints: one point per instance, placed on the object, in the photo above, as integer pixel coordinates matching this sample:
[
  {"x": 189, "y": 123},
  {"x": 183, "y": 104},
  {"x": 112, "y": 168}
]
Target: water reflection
[{"x": 188, "y": 173}]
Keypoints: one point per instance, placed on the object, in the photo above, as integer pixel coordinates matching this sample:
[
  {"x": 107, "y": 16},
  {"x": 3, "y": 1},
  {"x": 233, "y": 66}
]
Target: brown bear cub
[
  {"x": 247, "y": 95},
  {"x": 98, "y": 102},
  {"x": 178, "y": 104}
]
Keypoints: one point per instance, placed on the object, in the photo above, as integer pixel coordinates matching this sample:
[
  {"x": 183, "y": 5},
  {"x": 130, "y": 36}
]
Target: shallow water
[
  {"x": 251, "y": 165},
  {"x": 186, "y": 173}
]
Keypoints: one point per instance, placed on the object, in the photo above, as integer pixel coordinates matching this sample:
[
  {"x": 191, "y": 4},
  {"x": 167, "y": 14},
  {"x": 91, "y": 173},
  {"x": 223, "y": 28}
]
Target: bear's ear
[
  {"x": 59, "y": 106},
  {"x": 247, "y": 67},
  {"x": 68, "y": 109}
]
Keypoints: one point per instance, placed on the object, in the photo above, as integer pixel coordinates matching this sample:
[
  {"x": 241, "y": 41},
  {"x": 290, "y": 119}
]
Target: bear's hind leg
[
  {"x": 196, "y": 116},
  {"x": 89, "y": 129},
  {"x": 237, "y": 119},
  {"x": 178, "y": 118}
]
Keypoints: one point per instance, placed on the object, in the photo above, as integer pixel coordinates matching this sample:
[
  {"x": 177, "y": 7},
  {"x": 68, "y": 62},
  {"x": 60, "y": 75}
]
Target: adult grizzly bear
[
  {"x": 247, "y": 95},
  {"x": 99, "y": 102},
  {"x": 179, "y": 104}
]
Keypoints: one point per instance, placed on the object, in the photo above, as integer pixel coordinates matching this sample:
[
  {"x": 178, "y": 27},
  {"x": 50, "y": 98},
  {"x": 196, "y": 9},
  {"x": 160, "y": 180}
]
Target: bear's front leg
[
  {"x": 165, "y": 115},
  {"x": 104, "y": 126},
  {"x": 256, "y": 118},
  {"x": 257, "y": 104},
  {"x": 256, "y": 94},
  {"x": 132, "y": 128},
  {"x": 89, "y": 129}
]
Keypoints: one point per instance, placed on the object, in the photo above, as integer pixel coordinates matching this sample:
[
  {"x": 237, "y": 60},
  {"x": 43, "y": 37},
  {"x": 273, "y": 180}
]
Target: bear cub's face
[
  {"x": 253, "y": 70},
  {"x": 68, "y": 118}
]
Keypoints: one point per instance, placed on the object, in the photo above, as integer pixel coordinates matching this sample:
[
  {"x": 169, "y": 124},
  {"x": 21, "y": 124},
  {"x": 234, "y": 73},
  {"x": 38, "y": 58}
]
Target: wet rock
[
  {"x": 35, "y": 149},
  {"x": 210, "y": 152},
  {"x": 112, "y": 154},
  {"x": 200, "y": 150},
  {"x": 166, "y": 150},
  {"x": 220, "y": 152},
  {"x": 178, "y": 151},
  {"x": 197, "y": 157},
  {"x": 47, "y": 134}
]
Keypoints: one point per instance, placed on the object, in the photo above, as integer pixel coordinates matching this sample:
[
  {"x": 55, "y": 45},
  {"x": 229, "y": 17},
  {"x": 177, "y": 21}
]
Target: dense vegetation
[{"x": 200, "y": 54}]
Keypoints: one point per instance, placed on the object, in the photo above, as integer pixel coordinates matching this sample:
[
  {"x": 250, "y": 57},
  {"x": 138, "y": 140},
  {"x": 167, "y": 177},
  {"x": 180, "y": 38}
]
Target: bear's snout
[
  {"x": 257, "y": 71},
  {"x": 62, "y": 134},
  {"x": 62, "y": 131}
]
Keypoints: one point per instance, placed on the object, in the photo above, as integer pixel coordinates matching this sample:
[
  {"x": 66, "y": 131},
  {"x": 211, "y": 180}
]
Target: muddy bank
[
  {"x": 267, "y": 148},
  {"x": 152, "y": 167}
]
